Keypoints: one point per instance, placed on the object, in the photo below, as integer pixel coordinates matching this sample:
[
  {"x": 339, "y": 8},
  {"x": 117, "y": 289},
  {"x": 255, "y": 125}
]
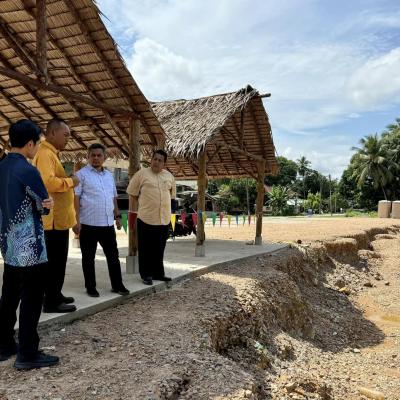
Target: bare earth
[{"x": 319, "y": 320}]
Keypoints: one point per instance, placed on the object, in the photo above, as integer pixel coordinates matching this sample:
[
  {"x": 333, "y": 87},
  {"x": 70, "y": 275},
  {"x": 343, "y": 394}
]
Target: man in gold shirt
[
  {"x": 151, "y": 190},
  {"x": 58, "y": 222}
]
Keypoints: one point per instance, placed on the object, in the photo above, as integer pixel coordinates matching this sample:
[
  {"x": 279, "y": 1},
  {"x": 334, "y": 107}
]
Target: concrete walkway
[{"x": 180, "y": 263}]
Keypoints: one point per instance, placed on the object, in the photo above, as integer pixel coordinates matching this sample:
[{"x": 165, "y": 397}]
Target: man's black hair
[
  {"x": 22, "y": 132},
  {"x": 163, "y": 153},
  {"x": 95, "y": 146},
  {"x": 54, "y": 124}
]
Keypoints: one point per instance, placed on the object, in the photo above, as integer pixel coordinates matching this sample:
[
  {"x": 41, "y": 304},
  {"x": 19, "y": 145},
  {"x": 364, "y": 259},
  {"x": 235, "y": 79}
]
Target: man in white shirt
[
  {"x": 96, "y": 209},
  {"x": 151, "y": 190}
]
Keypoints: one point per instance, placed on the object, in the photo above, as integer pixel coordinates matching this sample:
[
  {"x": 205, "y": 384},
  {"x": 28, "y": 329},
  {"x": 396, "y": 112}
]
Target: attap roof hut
[
  {"x": 226, "y": 135},
  {"x": 232, "y": 129},
  {"x": 57, "y": 59}
]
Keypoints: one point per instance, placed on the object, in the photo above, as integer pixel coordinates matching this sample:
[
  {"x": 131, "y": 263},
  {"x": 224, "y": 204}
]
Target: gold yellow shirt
[
  {"x": 59, "y": 187},
  {"x": 155, "y": 192}
]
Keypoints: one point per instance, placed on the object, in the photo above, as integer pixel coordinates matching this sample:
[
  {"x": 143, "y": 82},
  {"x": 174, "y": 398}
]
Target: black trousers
[
  {"x": 151, "y": 245},
  {"x": 105, "y": 235},
  {"x": 21, "y": 285},
  {"x": 57, "y": 242}
]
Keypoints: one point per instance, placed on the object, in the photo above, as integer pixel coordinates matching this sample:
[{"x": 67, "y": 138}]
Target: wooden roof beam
[
  {"x": 259, "y": 134},
  {"x": 241, "y": 131},
  {"x": 27, "y": 57},
  {"x": 14, "y": 42},
  {"x": 25, "y": 80},
  {"x": 109, "y": 68},
  {"x": 41, "y": 38},
  {"x": 243, "y": 152},
  {"x": 237, "y": 129},
  {"x": 78, "y": 77}
]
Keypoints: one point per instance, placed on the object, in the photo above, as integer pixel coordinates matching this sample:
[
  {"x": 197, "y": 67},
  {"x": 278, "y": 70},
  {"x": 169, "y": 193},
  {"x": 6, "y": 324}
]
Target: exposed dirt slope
[{"x": 290, "y": 325}]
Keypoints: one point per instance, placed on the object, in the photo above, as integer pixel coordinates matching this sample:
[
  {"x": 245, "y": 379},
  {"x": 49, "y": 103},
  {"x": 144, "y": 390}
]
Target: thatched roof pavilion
[
  {"x": 232, "y": 128},
  {"x": 57, "y": 59},
  {"x": 226, "y": 135}
]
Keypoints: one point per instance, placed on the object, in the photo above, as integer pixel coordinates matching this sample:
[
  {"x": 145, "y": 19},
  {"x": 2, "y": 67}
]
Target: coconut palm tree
[
  {"x": 371, "y": 161},
  {"x": 303, "y": 168}
]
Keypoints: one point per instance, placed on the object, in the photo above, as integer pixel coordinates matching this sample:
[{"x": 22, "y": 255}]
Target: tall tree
[
  {"x": 371, "y": 161},
  {"x": 303, "y": 168},
  {"x": 286, "y": 175}
]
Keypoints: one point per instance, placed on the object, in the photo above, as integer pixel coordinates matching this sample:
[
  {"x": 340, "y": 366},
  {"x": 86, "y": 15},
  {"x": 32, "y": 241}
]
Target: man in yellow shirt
[
  {"x": 58, "y": 222},
  {"x": 151, "y": 190}
]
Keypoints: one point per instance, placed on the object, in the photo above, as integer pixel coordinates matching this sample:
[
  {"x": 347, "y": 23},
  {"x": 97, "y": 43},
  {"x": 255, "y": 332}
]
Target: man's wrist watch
[{"x": 118, "y": 216}]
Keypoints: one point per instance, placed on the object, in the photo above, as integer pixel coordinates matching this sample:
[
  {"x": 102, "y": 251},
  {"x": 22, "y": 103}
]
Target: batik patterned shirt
[{"x": 21, "y": 229}]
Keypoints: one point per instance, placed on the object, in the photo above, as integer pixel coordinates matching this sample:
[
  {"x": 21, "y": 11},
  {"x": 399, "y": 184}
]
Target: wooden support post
[
  {"x": 41, "y": 38},
  {"x": 260, "y": 201},
  {"x": 201, "y": 205},
  {"x": 134, "y": 166}
]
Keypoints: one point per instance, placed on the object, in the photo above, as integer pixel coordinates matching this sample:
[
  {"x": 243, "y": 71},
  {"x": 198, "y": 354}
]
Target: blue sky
[{"x": 333, "y": 68}]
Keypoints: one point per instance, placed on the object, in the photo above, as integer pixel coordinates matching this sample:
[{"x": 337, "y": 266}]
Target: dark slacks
[
  {"x": 57, "y": 242},
  {"x": 105, "y": 235},
  {"x": 151, "y": 245},
  {"x": 21, "y": 285}
]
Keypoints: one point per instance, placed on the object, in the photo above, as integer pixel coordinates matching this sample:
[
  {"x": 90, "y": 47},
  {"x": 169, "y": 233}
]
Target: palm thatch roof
[
  {"x": 233, "y": 129},
  {"x": 62, "y": 62}
]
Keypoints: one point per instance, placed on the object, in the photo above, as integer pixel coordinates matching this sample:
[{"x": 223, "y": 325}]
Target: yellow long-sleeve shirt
[{"x": 59, "y": 187}]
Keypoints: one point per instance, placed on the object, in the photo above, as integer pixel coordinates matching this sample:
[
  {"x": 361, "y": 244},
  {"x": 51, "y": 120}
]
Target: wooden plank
[{"x": 41, "y": 38}]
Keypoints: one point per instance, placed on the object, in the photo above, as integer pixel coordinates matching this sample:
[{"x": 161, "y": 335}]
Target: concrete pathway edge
[{"x": 81, "y": 313}]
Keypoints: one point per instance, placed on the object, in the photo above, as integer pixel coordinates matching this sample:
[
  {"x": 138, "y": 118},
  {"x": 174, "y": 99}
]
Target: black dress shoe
[
  {"x": 67, "y": 300},
  {"x": 61, "y": 308},
  {"x": 41, "y": 360},
  {"x": 123, "y": 291},
  {"x": 147, "y": 281},
  {"x": 163, "y": 278},
  {"x": 92, "y": 293}
]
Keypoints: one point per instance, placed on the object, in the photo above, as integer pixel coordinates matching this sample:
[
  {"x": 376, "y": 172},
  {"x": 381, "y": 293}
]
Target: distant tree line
[{"x": 372, "y": 175}]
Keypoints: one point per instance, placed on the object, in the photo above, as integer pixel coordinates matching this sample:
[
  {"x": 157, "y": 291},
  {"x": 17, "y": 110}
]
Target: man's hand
[
  {"x": 77, "y": 228},
  {"x": 118, "y": 223},
  {"x": 75, "y": 180},
  {"x": 48, "y": 203}
]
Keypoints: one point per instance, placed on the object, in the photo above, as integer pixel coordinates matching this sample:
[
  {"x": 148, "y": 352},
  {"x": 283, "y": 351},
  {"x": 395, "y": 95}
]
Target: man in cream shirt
[{"x": 151, "y": 190}]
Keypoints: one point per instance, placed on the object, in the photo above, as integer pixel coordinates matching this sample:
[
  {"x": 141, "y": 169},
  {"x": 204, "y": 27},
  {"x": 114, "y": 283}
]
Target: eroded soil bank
[{"x": 315, "y": 321}]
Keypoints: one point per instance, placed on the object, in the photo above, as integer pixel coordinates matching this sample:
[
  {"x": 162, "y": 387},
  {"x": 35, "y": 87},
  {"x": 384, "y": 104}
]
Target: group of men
[{"x": 39, "y": 204}]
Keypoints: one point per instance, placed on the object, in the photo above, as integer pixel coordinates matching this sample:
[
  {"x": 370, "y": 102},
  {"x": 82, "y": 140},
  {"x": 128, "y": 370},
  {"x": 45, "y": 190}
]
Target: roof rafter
[
  {"x": 26, "y": 81},
  {"x": 260, "y": 137},
  {"x": 105, "y": 62}
]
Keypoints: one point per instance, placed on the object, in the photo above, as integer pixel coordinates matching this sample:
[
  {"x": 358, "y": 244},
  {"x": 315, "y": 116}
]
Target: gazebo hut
[
  {"x": 226, "y": 135},
  {"x": 57, "y": 60}
]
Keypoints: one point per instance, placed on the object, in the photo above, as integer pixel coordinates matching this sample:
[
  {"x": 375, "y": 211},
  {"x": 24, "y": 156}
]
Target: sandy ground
[
  {"x": 309, "y": 322},
  {"x": 293, "y": 229}
]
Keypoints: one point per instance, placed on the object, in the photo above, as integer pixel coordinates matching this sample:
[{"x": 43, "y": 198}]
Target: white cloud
[
  {"x": 162, "y": 72},
  {"x": 323, "y": 63},
  {"x": 377, "y": 82}
]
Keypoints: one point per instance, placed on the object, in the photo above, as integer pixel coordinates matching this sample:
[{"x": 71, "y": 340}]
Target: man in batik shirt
[{"x": 23, "y": 199}]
